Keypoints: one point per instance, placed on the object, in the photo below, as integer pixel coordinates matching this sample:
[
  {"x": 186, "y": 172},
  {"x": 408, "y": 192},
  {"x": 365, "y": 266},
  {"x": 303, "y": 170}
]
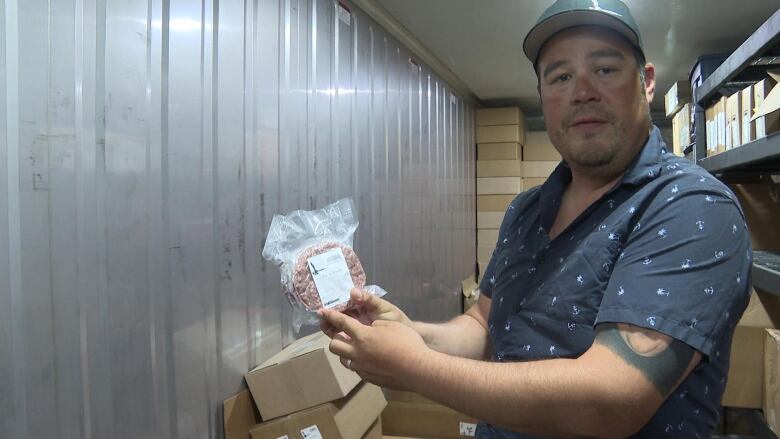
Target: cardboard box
[
  {"x": 712, "y": 135},
  {"x": 489, "y": 220},
  {"x": 487, "y": 237},
  {"x": 498, "y": 151},
  {"x": 539, "y": 169},
  {"x": 500, "y": 134},
  {"x": 499, "y": 116},
  {"x": 499, "y": 168},
  {"x": 681, "y": 130},
  {"x": 499, "y": 185},
  {"x": 470, "y": 291},
  {"x": 538, "y": 147},
  {"x": 347, "y": 418},
  {"x": 530, "y": 183},
  {"x": 375, "y": 430},
  {"x": 493, "y": 203},
  {"x": 481, "y": 266},
  {"x": 748, "y": 128},
  {"x": 677, "y": 96},
  {"x": 721, "y": 124},
  {"x": 408, "y": 414},
  {"x": 744, "y": 386},
  {"x": 772, "y": 379},
  {"x": 239, "y": 415},
  {"x": 733, "y": 121},
  {"x": 302, "y": 375},
  {"x": 767, "y": 115},
  {"x": 762, "y": 208},
  {"x": 484, "y": 252}
]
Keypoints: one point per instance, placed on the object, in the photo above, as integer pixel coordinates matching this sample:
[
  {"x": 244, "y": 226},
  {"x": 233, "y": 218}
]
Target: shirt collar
[{"x": 646, "y": 166}]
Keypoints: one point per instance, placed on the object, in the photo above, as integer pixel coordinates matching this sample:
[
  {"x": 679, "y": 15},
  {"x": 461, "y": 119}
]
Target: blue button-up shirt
[{"x": 666, "y": 249}]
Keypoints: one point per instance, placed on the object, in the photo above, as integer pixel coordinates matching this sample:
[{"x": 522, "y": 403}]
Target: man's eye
[
  {"x": 606, "y": 70},
  {"x": 561, "y": 78}
]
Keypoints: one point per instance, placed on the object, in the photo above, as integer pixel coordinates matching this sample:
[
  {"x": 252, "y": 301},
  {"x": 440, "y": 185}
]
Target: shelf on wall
[
  {"x": 764, "y": 38},
  {"x": 762, "y": 155},
  {"x": 766, "y": 271}
]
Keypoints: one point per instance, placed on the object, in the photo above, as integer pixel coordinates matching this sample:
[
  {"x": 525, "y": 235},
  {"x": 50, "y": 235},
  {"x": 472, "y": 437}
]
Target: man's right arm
[{"x": 464, "y": 336}]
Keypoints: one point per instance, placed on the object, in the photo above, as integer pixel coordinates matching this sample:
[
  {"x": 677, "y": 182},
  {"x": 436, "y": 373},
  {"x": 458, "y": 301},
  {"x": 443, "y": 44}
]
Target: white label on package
[
  {"x": 332, "y": 278},
  {"x": 283, "y": 437},
  {"x": 760, "y": 127},
  {"x": 344, "y": 15},
  {"x": 311, "y": 433},
  {"x": 468, "y": 429}
]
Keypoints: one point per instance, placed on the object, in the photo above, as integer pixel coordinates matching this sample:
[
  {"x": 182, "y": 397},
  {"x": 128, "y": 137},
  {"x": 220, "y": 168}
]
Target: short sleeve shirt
[{"x": 666, "y": 249}]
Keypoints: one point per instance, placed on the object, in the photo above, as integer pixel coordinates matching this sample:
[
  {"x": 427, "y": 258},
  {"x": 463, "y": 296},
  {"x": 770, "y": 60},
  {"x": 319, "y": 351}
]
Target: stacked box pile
[
  {"x": 304, "y": 392},
  {"x": 677, "y": 103},
  {"x": 510, "y": 160}
]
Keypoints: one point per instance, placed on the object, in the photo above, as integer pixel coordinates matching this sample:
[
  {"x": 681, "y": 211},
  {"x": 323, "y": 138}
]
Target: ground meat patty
[{"x": 303, "y": 287}]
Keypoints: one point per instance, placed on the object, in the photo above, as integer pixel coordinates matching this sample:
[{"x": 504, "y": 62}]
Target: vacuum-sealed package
[{"x": 318, "y": 266}]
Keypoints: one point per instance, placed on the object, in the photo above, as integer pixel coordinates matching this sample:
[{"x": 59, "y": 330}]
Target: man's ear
[{"x": 649, "y": 82}]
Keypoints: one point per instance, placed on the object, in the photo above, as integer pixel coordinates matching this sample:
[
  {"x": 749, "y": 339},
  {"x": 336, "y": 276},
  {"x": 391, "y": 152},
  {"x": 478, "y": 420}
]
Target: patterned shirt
[{"x": 666, "y": 249}]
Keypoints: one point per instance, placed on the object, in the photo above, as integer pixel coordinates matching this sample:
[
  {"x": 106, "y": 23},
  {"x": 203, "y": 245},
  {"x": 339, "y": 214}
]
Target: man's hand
[
  {"x": 385, "y": 353},
  {"x": 367, "y": 309}
]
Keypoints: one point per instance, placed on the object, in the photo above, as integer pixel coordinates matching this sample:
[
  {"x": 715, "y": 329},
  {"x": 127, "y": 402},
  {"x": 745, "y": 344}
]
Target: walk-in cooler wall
[{"x": 146, "y": 146}]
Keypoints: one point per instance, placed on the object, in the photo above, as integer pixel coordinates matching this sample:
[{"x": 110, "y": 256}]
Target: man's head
[{"x": 594, "y": 83}]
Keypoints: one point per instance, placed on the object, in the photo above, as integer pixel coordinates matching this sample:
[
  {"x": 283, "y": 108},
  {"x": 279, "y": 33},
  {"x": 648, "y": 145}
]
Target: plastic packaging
[{"x": 318, "y": 267}]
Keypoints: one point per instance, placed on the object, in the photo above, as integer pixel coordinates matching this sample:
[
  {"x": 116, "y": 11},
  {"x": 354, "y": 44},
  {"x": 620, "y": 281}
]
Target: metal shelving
[
  {"x": 766, "y": 271},
  {"x": 762, "y": 155},
  {"x": 745, "y": 65}
]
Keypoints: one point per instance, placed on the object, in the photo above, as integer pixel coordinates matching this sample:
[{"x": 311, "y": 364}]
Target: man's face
[{"x": 595, "y": 107}]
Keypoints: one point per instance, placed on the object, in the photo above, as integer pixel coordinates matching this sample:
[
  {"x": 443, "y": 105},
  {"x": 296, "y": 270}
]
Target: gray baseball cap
[{"x": 563, "y": 14}]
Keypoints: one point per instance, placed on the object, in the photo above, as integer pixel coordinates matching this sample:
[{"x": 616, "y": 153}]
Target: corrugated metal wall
[{"x": 146, "y": 146}]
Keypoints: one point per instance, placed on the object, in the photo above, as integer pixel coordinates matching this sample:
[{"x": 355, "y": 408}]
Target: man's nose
[{"x": 584, "y": 90}]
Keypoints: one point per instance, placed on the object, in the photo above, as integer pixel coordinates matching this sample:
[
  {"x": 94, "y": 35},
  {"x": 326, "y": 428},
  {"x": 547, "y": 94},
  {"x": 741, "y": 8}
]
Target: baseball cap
[{"x": 563, "y": 14}]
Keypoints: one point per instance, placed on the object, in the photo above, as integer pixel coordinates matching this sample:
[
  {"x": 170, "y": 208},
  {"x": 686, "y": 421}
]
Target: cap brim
[{"x": 542, "y": 32}]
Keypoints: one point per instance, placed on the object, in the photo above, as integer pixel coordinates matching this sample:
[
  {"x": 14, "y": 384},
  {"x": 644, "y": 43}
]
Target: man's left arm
[{"x": 612, "y": 390}]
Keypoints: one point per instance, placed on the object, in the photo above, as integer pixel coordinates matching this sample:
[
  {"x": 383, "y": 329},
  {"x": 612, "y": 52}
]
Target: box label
[
  {"x": 344, "y": 15},
  {"x": 760, "y": 127},
  {"x": 311, "y": 433},
  {"x": 283, "y": 437},
  {"x": 468, "y": 429},
  {"x": 331, "y": 276},
  {"x": 711, "y": 141}
]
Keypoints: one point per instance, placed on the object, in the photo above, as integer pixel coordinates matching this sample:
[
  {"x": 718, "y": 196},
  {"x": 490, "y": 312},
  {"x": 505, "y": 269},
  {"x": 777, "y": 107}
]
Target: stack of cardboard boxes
[
  {"x": 304, "y": 392},
  {"x": 744, "y": 116},
  {"x": 510, "y": 160},
  {"x": 678, "y": 108}
]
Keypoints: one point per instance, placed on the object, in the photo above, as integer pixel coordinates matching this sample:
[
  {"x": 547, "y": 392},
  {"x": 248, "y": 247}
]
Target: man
[{"x": 623, "y": 275}]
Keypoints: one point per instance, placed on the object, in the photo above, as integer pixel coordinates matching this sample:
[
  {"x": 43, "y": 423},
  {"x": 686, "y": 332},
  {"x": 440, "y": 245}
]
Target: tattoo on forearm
[{"x": 662, "y": 363}]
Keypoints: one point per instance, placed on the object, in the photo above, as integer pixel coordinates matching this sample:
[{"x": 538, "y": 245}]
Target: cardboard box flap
[
  {"x": 356, "y": 413},
  {"x": 772, "y": 101},
  {"x": 300, "y": 347},
  {"x": 239, "y": 415}
]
